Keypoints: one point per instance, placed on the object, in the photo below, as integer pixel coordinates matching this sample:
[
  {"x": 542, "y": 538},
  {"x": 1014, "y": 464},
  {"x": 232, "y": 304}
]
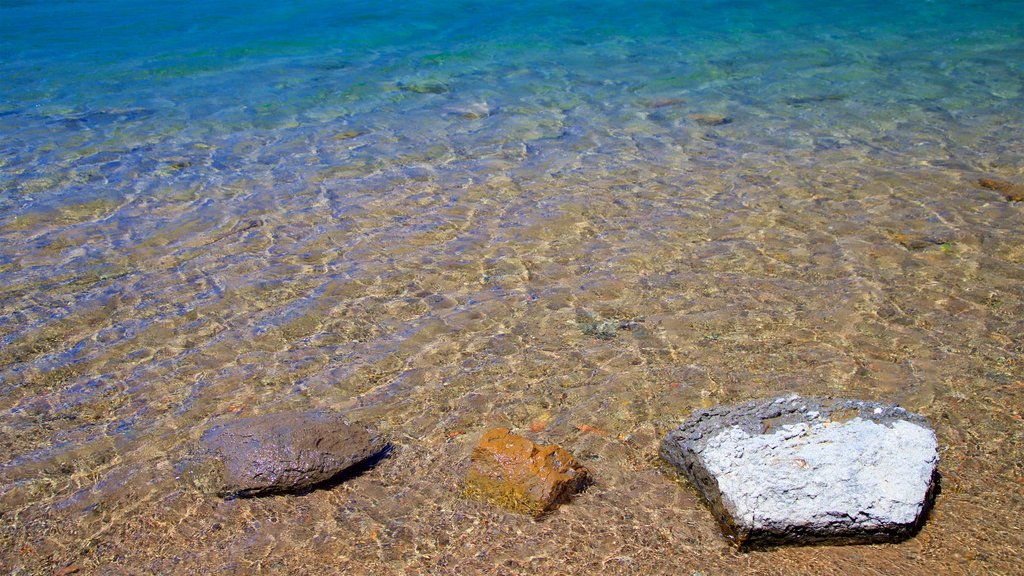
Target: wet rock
[
  {"x": 818, "y": 99},
  {"x": 710, "y": 119},
  {"x": 664, "y": 102},
  {"x": 916, "y": 241},
  {"x": 440, "y": 301},
  {"x": 517, "y": 474},
  {"x": 604, "y": 328},
  {"x": 178, "y": 164},
  {"x": 1012, "y": 192},
  {"x": 279, "y": 453},
  {"x": 349, "y": 134},
  {"x": 423, "y": 87},
  {"x": 472, "y": 110},
  {"x": 803, "y": 470}
]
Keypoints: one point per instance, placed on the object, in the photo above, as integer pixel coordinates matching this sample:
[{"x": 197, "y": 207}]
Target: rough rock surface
[
  {"x": 513, "y": 472},
  {"x": 802, "y": 470},
  {"x": 286, "y": 452}
]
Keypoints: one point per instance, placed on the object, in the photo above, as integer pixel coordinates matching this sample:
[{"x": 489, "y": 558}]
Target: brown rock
[
  {"x": 1013, "y": 192},
  {"x": 916, "y": 241},
  {"x": 710, "y": 119},
  {"x": 588, "y": 429},
  {"x": 517, "y": 474},
  {"x": 277, "y": 453}
]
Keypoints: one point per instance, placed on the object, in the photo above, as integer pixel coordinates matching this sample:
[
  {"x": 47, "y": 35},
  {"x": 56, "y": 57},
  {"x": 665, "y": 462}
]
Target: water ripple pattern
[{"x": 579, "y": 220}]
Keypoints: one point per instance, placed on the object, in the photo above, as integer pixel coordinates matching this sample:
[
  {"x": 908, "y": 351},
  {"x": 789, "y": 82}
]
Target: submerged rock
[
  {"x": 472, "y": 110},
  {"x": 1012, "y": 192},
  {"x": 604, "y": 328},
  {"x": 818, "y": 99},
  {"x": 664, "y": 102},
  {"x": 278, "y": 453},
  {"x": 513, "y": 472},
  {"x": 423, "y": 87},
  {"x": 710, "y": 119},
  {"x": 917, "y": 241},
  {"x": 803, "y": 470}
]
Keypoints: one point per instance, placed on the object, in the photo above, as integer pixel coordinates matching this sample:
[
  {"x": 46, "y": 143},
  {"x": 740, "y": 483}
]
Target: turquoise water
[
  {"x": 86, "y": 77},
  {"x": 418, "y": 212}
]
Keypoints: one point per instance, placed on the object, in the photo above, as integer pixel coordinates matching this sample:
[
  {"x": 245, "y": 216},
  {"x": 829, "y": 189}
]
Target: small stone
[
  {"x": 665, "y": 102},
  {"x": 423, "y": 87},
  {"x": 915, "y": 241},
  {"x": 349, "y": 134},
  {"x": 515, "y": 473},
  {"x": 472, "y": 110},
  {"x": 280, "y": 453},
  {"x": 710, "y": 119},
  {"x": 1012, "y": 192},
  {"x": 798, "y": 470},
  {"x": 588, "y": 429},
  {"x": 819, "y": 99},
  {"x": 604, "y": 328}
]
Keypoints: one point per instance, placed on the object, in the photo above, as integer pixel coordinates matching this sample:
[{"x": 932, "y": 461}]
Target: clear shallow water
[{"x": 218, "y": 209}]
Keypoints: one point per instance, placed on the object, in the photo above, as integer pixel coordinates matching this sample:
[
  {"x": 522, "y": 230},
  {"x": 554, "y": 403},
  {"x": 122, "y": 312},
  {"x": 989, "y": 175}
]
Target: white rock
[{"x": 802, "y": 470}]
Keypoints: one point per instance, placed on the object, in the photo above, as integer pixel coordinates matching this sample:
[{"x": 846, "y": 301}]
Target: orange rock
[
  {"x": 517, "y": 474},
  {"x": 588, "y": 429},
  {"x": 538, "y": 425},
  {"x": 1014, "y": 192}
]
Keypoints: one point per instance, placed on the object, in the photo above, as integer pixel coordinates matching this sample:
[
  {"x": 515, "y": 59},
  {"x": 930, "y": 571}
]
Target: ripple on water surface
[{"x": 578, "y": 221}]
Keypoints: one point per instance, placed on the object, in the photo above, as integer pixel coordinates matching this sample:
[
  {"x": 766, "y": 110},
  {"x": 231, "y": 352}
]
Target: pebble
[{"x": 710, "y": 119}]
